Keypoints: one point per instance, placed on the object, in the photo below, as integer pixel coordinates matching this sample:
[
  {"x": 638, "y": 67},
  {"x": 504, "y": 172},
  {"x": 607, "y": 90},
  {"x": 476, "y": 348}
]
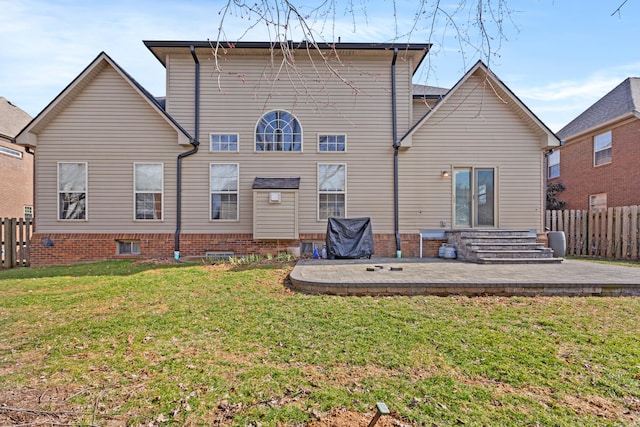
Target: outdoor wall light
[{"x": 445, "y": 174}]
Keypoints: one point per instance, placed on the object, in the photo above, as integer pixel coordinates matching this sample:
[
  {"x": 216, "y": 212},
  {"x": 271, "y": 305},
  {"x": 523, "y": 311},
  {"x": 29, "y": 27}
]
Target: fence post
[
  {"x": 1, "y": 242},
  {"x": 10, "y": 246},
  {"x": 571, "y": 235},
  {"x": 547, "y": 220},
  {"x": 634, "y": 232},
  {"x": 611, "y": 248}
]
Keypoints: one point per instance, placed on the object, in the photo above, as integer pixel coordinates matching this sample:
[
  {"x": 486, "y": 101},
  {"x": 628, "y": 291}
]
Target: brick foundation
[{"x": 64, "y": 249}]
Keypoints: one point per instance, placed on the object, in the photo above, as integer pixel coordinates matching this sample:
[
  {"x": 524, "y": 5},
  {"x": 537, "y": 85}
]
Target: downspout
[
  {"x": 396, "y": 146},
  {"x": 194, "y": 142}
]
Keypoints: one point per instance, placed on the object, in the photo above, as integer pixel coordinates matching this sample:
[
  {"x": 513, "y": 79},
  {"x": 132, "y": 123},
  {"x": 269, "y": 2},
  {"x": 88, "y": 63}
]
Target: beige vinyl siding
[
  {"x": 475, "y": 128},
  {"x": 420, "y": 108},
  {"x": 364, "y": 115},
  {"x": 275, "y": 220},
  {"x": 109, "y": 126}
]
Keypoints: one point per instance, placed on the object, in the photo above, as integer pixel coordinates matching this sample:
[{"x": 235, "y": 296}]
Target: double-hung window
[
  {"x": 332, "y": 188},
  {"x": 72, "y": 191},
  {"x": 224, "y": 191},
  {"x": 332, "y": 143},
  {"x": 148, "y": 190},
  {"x": 223, "y": 142},
  {"x": 602, "y": 149},
  {"x": 554, "y": 164},
  {"x": 598, "y": 201}
]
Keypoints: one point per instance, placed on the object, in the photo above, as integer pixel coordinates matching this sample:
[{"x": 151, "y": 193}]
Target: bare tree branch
[
  {"x": 473, "y": 27},
  {"x": 619, "y": 8}
]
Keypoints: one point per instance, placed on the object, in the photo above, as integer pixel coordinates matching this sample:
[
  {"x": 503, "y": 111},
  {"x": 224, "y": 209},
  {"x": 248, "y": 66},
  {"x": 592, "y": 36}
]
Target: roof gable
[
  {"x": 549, "y": 138},
  {"x": 621, "y": 102},
  {"x": 28, "y": 135}
]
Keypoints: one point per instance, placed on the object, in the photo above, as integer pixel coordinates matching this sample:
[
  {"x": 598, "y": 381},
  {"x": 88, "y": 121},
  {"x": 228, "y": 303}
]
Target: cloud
[
  {"x": 558, "y": 103},
  {"x": 592, "y": 87}
]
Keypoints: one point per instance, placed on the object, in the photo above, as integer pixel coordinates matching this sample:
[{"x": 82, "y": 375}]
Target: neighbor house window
[
  {"x": 128, "y": 247},
  {"x": 28, "y": 212},
  {"x": 148, "y": 190},
  {"x": 10, "y": 152},
  {"x": 278, "y": 131},
  {"x": 332, "y": 180},
  {"x": 554, "y": 164},
  {"x": 224, "y": 192},
  {"x": 332, "y": 142},
  {"x": 602, "y": 149},
  {"x": 224, "y": 142},
  {"x": 598, "y": 201},
  {"x": 72, "y": 191}
]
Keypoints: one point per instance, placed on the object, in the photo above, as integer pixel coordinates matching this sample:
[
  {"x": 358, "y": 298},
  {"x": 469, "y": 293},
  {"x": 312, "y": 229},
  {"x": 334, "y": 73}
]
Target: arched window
[{"x": 278, "y": 131}]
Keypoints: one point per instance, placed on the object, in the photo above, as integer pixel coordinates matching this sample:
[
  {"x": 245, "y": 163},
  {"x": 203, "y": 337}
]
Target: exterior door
[{"x": 474, "y": 197}]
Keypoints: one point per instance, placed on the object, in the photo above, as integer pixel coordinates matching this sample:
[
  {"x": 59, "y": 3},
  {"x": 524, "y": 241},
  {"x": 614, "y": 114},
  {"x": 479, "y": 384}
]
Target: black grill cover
[{"x": 349, "y": 238}]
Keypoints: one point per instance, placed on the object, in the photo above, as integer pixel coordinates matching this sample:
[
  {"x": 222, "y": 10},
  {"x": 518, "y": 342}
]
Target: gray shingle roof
[
  {"x": 429, "y": 91},
  {"x": 624, "y": 99},
  {"x": 276, "y": 184},
  {"x": 12, "y": 118}
]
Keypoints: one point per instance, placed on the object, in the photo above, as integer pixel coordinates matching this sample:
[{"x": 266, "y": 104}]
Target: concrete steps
[{"x": 500, "y": 247}]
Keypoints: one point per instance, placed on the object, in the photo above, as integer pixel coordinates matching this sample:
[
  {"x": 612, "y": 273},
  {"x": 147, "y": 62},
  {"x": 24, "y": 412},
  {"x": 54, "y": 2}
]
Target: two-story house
[
  {"x": 599, "y": 161},
  {"x": 257, "y": 144},
  {"x": 16, "y": 165}
]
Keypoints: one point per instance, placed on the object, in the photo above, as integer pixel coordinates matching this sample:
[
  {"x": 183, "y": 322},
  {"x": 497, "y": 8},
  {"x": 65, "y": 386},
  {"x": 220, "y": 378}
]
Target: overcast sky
[{"x": 559, "y": 57}]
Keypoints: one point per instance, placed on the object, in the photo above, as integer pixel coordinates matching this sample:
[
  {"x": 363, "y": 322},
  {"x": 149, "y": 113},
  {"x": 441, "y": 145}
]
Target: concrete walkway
[{"x": 390, "y": 276}]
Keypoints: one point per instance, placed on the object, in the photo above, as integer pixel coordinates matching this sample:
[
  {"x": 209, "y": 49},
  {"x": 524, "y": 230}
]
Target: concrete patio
[{"x": 431, "y": 276}]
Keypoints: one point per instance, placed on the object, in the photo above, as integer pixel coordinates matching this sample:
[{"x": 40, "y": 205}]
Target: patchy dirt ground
[
  {"x": 39, "y": 406},
  {"x": 344, "y": 418},
  {"x": 51, "y": 406}
]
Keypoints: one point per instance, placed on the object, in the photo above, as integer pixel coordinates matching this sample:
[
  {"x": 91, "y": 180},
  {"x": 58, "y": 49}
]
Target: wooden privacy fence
[
  {"x": 15, "y": 242},
  {"x": 606, "y": 233}
]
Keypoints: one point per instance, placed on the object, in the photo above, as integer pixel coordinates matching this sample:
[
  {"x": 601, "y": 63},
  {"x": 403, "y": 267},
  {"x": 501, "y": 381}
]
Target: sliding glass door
[{"x": 474, "y": 197}]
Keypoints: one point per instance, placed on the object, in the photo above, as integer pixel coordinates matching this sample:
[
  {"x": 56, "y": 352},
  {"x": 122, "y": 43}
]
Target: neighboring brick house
[
  {"x": 599, "y": 161},
  {"x": 16, "y": 165}
]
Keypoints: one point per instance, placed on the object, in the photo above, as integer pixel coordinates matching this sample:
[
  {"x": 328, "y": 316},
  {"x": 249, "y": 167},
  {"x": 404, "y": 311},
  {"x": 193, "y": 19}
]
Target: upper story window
[
  {"x": 602, "y": 149},
  {"x": 223, "y": 142},
  {"x": 278, "y": 131},
  {"x": 332, "y": 143},
  {"x": 554, "y": 164},
  {"x": 10, "y": 152},
  {"x": 72, "y": 191},
  {"x": 148, "y": 190},
  {"x": 598, "y": 201}
]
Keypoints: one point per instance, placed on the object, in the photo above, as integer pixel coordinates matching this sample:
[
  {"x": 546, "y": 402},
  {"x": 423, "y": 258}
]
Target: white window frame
[
  {"x": 133, "y": 245},
  {"x": 255, "y": 134},
  {"x": 332, "y": 143},
  {"x": 136, "y": 192},
  {"x": 28, "y": 212},
  {"x": 555, "y": 158},
  {"x": 236, "y": 192},
  {"x": 224, "y": 134},
  {"x": 320, "y": 191},
  {"x": 59, "y": 192},
  {"x": 605, "y": 138},
  {"x": 10, "y": 152},
  {"x": 594, "y": 197}
]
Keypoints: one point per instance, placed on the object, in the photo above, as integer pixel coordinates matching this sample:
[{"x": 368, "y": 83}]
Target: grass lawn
[{"x": 123, "y": 343}]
